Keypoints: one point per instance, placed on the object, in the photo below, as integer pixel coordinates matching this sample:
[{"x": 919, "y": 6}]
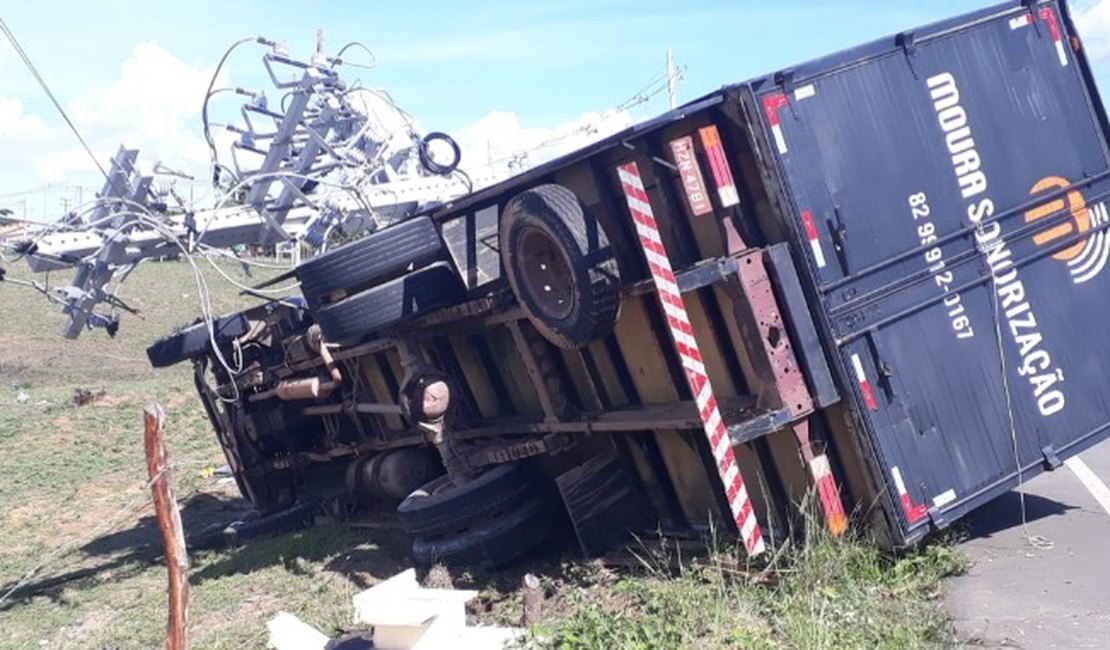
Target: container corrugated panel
[{"x": 948, "y": 189}]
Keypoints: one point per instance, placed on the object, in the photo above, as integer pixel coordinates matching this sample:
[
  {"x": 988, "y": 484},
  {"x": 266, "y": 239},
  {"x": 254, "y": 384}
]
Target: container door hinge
[
  {"x": 936, "y": 516},
  {"x": 883, "y": 367},
  {"x": 1051, "y": 460},
  {"x": 906, "y": 41},
  {"x": 785, "y": 80},
  {"x": 1031, "y": 7},
  {"x": 839, "y": 235}
]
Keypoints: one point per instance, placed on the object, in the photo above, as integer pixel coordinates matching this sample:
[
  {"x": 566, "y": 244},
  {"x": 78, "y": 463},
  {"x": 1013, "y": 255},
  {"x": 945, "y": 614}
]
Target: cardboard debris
[
  {"x": 404, "y": 616},
  {"x": 287, "y": 632}
]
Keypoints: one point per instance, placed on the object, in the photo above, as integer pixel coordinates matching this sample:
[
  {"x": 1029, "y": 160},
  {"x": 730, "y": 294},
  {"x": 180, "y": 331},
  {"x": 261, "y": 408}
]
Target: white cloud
[
  {"x": 16, "y": 125},
  {"x": 1093, "y": 22},
  {"x": 499, "y": 143},
  {"x": 153, "y": 105}
]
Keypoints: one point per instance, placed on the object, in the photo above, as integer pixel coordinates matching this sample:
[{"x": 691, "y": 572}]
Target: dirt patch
[
  {"x": 60, "y": 431},
  {"x": 110, "y": 400},
  {"x": 25, "y": 513},
  {"x": 91, "y": 625}
]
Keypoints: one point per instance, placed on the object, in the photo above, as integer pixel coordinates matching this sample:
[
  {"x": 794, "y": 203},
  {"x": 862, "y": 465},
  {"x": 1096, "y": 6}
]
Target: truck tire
[
  {"x": 490, "y": 543},
  {"x": 193, "y": 341},
  {"x": 439, "y": 508},
  {"x": 354, "y": 318},
  {"x": 560, "y": 265},
  {"x": 375, "y": 257}
]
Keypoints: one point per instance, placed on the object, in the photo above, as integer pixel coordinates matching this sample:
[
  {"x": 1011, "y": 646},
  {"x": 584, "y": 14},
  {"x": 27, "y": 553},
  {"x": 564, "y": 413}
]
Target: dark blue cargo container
[{"x": 947, "y": 189}]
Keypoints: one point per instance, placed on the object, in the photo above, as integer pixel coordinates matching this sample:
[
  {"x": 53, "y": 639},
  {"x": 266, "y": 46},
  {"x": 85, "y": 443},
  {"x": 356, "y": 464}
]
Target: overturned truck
[{"x": 875, "y": 278}]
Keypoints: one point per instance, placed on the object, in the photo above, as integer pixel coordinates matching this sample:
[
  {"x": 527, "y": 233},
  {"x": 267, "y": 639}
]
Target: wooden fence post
[{"x": 169, "y": 523}]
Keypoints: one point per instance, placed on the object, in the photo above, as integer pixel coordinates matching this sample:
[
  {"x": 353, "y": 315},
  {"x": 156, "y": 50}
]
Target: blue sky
[{"x": 448, "y": 63}]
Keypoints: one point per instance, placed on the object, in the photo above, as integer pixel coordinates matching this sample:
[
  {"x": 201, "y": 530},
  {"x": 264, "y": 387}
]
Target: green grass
[
  {"x": 823, "y": 593},
  {"x": 66, "y": 471}
]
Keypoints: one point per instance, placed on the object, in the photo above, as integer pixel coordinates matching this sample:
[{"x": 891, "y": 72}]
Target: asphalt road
[{"x": 1044, "y": 583}]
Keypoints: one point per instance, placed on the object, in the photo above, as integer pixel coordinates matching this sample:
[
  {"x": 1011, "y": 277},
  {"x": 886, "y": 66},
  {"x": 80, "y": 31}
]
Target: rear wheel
[
  {"x": 489, "y": 543},
  {"x": 488, "y": 521},
  {"x": 441, "y": 507},
  {"x": 560, "y": 266}
]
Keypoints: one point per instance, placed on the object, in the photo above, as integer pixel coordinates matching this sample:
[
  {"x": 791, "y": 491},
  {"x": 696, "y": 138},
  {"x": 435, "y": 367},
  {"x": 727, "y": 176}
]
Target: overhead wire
[
  {"x": 219, "y": 252},
  {"x": 105, "y": 526},
  {"x": 133, "y": 506},
  {"x": 655, "y": 86},
  {"x": 367, "y": 66},
  {"x": 212, "y": 151},
  {"x": 50, "y": 94},
  {"x": 141, "y": 216},
  {"x": 239, "y": 285}
]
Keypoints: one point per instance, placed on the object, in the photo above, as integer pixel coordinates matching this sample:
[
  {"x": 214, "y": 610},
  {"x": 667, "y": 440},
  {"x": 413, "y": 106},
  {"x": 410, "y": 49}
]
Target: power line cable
[{"x": 42, "y": 82}]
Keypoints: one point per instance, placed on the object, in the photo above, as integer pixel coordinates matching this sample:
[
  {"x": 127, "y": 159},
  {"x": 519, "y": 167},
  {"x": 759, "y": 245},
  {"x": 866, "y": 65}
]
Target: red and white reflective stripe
[
  {"x": 864, "y": 384},
  {"x": 678, "y": 322},
  {"x": 692, "y": 182},
  {"x": 814, "y": 240},
  {"x": 1057, "y": 37},
  {"x": 1024, "y": 20},
  {"x": 718, "y": 164},
  {"x": 914, "y": 513},
  {"x": 828, "y": 493},
  {"x": 771, "y": 105}
]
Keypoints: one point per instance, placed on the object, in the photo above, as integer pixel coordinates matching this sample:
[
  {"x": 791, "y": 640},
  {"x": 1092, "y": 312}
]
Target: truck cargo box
[{"x": 946, "y": 189}]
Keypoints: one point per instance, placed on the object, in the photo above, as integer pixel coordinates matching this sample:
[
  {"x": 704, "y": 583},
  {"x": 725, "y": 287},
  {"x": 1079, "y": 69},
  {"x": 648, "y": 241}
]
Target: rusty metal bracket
[{"x": 779, "y": 381}]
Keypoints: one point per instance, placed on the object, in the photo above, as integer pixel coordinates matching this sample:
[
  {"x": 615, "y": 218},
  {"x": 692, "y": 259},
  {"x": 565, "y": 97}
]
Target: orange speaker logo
[{"x": 1087, "y": 256}]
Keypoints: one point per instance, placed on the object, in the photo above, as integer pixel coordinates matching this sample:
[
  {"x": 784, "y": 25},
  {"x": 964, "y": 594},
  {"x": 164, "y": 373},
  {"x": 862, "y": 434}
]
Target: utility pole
[{"x": 672, "y": 80}]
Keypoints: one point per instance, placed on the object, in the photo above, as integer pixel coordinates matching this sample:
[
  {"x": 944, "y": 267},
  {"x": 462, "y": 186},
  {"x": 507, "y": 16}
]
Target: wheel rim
[{"x": 546, "y": 273}]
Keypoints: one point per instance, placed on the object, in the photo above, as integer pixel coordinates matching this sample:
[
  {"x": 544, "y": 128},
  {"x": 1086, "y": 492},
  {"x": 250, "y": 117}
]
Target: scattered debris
[
  {"x": 404, "y": 616},
  {"x": 22, "y": 397},
  {"x": 83, "y": 396},
  {"x": 533, "y": 600},
  {"x": 288, "y": 631},
  {"x": 212, "y": 470}
]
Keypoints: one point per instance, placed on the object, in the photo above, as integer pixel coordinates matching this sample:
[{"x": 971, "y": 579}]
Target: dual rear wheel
[{"x": 486, "y": 522}]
